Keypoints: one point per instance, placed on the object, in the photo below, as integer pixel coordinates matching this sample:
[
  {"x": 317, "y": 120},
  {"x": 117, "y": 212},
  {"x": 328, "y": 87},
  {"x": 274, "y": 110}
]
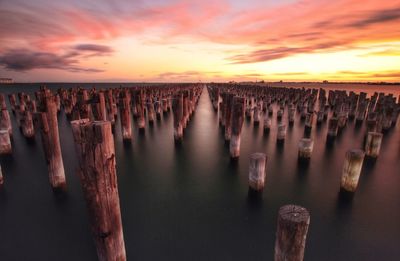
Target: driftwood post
[
  {"x": 305, "y": 148},
  {"x": 96, "y": 154},
  {"x": 291, "y": 234},
  {"x": 48, "y": 123}
]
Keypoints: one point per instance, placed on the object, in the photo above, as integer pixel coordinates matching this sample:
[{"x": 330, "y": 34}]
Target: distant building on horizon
[{"x": 6, "y": 80}]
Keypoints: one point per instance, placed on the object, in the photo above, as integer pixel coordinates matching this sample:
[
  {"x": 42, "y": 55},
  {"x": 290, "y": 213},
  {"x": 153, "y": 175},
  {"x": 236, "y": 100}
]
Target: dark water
[{"x": 191, "y": 202}]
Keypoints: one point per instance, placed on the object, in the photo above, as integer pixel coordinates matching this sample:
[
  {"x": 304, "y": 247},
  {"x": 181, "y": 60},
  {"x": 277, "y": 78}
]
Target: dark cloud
[
  {"x": 94, "y": 49},
  {"x": 25, "y": 60},
  {"x": 380, "y": 16}
]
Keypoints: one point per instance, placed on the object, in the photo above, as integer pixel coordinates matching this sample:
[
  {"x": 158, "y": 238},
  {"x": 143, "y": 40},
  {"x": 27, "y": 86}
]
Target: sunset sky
[{"x": 171, "y": 41}]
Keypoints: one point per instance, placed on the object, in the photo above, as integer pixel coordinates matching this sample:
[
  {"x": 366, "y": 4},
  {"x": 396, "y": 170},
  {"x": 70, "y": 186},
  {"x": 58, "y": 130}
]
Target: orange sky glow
[{"x": 181, "y": 41}]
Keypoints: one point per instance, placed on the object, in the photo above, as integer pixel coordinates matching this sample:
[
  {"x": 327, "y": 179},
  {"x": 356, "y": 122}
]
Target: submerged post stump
[
  {"x": 5, "y": 142},
  {"x": 291, "y": 234},
  {"x": 95, "y": 148},
  {"x": 257, "y": 167},
  {"x": 1, "y": 177},
  {"x": 373, "y": 144},
  {"x": 238, "y": 111},
  {"x": 352, "y": 169},
  {"x": 281, "y": 132},
  {"x": 48, "y": 123}
]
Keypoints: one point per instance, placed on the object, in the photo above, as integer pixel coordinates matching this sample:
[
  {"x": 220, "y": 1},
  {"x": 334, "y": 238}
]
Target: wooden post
[
  {"x": 281, "y": 132},
  {"x": 291, "y": 234},
  {"x": 5, "y": 121},
  {"x": 51, "y": 142},
  {"x": 228, "y": 116},
  {"x": 305, "y": 148},
  {"x": 27, "y": 124},
  {"x": 125, "y": 112},
  {"x": 5, "y": 142},
  {"x": 13, "y": 101},
  {"x": 177, "y": 108},
  {"x": 238, "y": 112},
  {"x": 373, "y": 144},
  {"x": 95, "y": 149},
  {"x": 352, "y": 169},
  {"x": 139, "y": 102},
  {"x": 1, "y": 178},
  {"x": 99, "y": 107},
  {"x": 333, "y": 127},
  {"x": 257, "y": 167}
]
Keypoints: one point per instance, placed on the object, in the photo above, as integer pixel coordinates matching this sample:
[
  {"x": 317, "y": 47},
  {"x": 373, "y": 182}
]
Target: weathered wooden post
[
  {"x": 139, "y": 102},
  {"x": 177, "y": 108},
  {"x": 27, "y": 124},
  {"x": 267, "y": 121},
  {"x": 257, "y": 165},
  {"x": 13, "y": 101},
  {"x": 291, "y": 234},
  {"x": 352, "y": 169},
  {"x": 48, "y": 123},
  {"x": 1, "y": 178},
  {"x": 99, "y": 106},
  {"x": 281, "y": 132},
  {"x": 373, "y": 144},
  {"x": 228, "y": 116},
  {"x": 5, "y": 142},
  {"x": 95, "y": 148},
  {"x": 5, "y": 121},
  {"x": 305, "y": 148},
  {"x": 238, "y": 112},
  {"x": 125, "y": 112},
  {"x": 333, "y": 127}
]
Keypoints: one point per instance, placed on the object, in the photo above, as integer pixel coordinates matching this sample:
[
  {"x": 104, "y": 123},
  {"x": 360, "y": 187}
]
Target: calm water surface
[{"x": 190, "y": 202}]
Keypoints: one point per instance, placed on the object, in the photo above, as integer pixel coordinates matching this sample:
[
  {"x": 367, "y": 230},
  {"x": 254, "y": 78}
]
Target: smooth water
[{"x": 190, "y": 202}]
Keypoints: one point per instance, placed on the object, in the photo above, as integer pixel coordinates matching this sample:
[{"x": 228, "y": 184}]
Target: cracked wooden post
[
  {"x": 5, "y": 142},
  {"x": 95, "y": 149},
  {"x": 139, "y": 103},
  {"x": 373, "y": 144},
  {"x": 47, "y": 120},
  {"x": 352, "y": 169},
  {"x": 238, "y": 113},
  {"x": 291, "y": 233},
  {"x": 177, "y": 109},
  {"x": 125, "y": 115},
  {"x": 305, "y": 148},
  {"x": 257, "y": 166}
]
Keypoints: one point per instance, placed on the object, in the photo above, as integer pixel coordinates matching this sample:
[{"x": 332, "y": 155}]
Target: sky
[{"x": 199, "y": 40}]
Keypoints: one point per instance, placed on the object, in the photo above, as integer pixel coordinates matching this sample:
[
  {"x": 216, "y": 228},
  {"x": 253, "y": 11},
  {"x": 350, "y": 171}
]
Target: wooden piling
[
  {"x": 5, "y": 142},
  {"x": 257, "y": 168},
  {"x": 177, "y": 108},
  {"x": 238, "y": 112},
  {"x": 95, "y": 149},
  {"x": 305, "y": 148},
  {"x": 352, "y": 169},
  {"x": 373, "y": 144},
  {"x": 281, "y": 132},
  {"x": 48, "y": 123},
  {"x": 291, "y": 234},
  {"x": 125, "y": 113}
]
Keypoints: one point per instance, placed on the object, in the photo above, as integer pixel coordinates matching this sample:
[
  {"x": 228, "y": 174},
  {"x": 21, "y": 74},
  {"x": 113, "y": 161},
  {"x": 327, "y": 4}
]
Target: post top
[{"x": 294, "y": 213}]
